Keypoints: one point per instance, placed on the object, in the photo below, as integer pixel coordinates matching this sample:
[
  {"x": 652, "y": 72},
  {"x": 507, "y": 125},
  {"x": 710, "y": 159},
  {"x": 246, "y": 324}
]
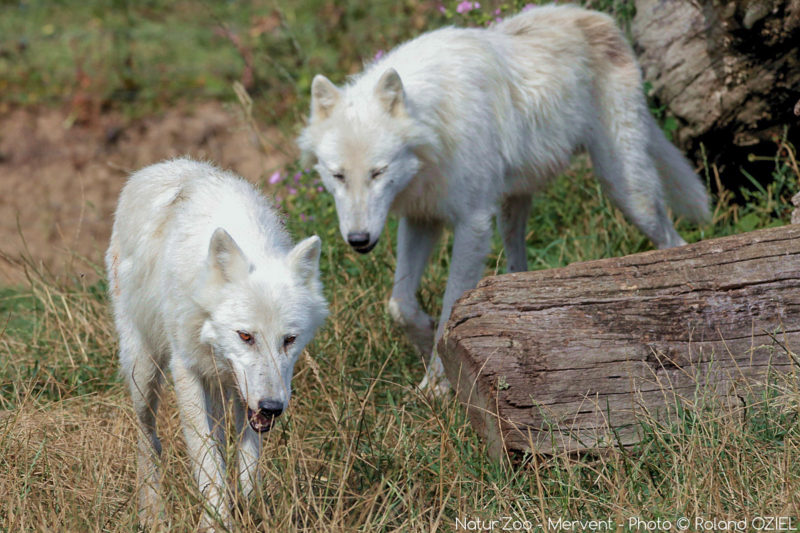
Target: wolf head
[
  {"x": 260, "y": 316},
  {"x": 363, "y": 141}
]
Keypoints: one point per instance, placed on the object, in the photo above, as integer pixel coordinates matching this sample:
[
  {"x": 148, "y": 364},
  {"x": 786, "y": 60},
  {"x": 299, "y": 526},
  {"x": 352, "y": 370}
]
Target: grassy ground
[
  {"x": 140, "y": 56},
  {"x": 361, "y": 448}
]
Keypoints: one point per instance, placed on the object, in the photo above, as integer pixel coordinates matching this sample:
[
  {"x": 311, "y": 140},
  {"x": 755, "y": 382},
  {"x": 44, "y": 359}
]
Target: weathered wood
[
  {"x": 728, "y": 71},
  {"x": 587, "y": 348}
]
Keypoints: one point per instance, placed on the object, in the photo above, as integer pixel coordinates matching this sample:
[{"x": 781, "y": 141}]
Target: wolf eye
[
  {"x": 288, "y": 340},
  {"x": 375, "y": 172},
  {"x": 246, "y": 337},
  {"x": 339, "y": 176}
]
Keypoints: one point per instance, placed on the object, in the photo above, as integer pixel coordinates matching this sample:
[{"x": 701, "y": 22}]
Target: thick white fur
[
  {"x": 460, "y": 125},
  {"x": 181, "y": 288}
]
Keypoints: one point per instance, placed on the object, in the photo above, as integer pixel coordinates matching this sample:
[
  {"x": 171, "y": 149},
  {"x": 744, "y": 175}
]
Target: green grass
[
  {"x": 39, "y": 321},
  {"x": 115, "y": 52},
  {"x": 361, "y": 448},
  {"x": 142, "y": 56}
]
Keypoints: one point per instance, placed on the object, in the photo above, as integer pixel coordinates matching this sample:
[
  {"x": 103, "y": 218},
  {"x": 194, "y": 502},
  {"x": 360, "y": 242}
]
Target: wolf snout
[
  {"x": 263, "y": 419},
  {"x": 270, "y": 407},
  {"x": 360, "y": 241}
]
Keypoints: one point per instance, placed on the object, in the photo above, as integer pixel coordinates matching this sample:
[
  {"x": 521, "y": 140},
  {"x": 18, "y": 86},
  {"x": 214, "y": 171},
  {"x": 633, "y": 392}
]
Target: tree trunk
[
  {"x": 586, "y": 349},
  {"x": 729, "y": 71}
]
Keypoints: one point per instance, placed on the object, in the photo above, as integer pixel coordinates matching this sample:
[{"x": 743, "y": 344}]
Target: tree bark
[
  {"x": 728, "y": 70},
  {"x": 587, "y": 349}
]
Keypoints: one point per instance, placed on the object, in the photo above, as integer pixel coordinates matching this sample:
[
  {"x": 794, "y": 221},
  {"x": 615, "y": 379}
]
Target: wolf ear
[
  {"x": 307, "y": 156},
  {"x": 389, "y": 91},
  {"x": 225, "y": 259},
  {"x": 324, "y": 95},
  {"x": 304, "y": 258}
]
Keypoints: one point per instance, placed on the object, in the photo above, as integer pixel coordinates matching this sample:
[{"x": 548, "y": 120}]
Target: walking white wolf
[
  {"x": 451, "y": 126},
  {"x": 204, "y": 279}
]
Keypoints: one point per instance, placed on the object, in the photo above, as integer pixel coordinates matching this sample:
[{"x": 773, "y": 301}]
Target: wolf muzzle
[
  {"x": 359, "y": 240},
  {"x": 263, "y": 419}
]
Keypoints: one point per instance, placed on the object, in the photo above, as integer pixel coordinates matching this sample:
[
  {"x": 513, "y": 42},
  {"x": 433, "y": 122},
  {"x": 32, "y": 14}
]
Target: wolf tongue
[{"x": 258, "y": 421}]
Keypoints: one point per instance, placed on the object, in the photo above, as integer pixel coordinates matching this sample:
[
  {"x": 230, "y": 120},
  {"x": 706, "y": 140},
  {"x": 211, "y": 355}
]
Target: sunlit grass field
[{"x": 361, "y": 448}]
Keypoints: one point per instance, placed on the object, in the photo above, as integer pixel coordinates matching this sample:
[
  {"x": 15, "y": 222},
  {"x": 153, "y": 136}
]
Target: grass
[
  {"x": 141, "y": 56},
  {"x": 361, "y": 448}
]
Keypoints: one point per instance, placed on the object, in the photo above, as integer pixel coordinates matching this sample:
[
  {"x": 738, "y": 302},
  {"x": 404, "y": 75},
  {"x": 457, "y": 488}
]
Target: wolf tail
[{"x": 685, "y": 193}]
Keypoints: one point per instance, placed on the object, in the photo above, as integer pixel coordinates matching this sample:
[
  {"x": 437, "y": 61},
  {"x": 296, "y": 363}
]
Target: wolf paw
[
  {"x": 435, "y": 382},
  {"x": 416, "y": 323},
  {"x": 437, "y": 386}
]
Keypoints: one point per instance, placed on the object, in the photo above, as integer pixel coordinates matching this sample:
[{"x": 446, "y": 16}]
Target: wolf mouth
[
  {"x": 260, "y": 421},
  {"x": 366, "y": 249}
]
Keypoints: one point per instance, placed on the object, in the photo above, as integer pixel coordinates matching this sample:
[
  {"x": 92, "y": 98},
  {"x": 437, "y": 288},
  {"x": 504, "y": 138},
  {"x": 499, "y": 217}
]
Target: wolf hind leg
[
  {"x": 622, "y": 163},
  {"x": 144, "y": 376},
  {"x": 512, "y": 221}
]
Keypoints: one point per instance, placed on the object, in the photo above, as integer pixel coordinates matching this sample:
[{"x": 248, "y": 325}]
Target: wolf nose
[
  {"x": 270, "y": 408},
  {"x": 358, "y": 239}
]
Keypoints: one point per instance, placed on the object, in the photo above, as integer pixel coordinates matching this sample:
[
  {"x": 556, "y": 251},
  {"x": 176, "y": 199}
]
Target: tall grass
[{"x": 361, "y": 448}]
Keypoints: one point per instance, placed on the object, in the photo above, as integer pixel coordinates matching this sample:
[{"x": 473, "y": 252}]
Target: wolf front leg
[
  {"x": 471, "y": 241},
  {"x": 415, "y": 240},
  {"x": 249, "y": 450},
  {"x": 196, "y": 405}
]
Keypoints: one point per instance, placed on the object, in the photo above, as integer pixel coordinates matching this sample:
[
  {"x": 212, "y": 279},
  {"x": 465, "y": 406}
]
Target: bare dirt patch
[{"x": 59, "y": 181}]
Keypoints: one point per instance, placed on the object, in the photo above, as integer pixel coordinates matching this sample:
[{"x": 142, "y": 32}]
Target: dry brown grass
[{"x": 361, "y": 448}]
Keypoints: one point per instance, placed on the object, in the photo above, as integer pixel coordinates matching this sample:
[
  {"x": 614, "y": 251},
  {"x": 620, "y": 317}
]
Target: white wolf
[
  {"x": 451, "y": 126},
  {"x": 204, "y": 279}
]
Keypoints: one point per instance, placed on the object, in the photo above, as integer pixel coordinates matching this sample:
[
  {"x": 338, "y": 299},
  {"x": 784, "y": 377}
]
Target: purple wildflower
[
  {"x": 297, "y": 177},
  {"x": 466, "y": 6},
  {"x": 320, "y": 189},
  {"x": 378, "y": 55},
  {"x": 442, "y": 10},
  {"x": 303, "y": 217},
  {"x": 275, "y": 178},
  {"x": 292, "y": 191}
]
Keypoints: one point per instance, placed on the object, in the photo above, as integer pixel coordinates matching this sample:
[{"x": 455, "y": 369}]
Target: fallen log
[{"x": 568, "y": 358}]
